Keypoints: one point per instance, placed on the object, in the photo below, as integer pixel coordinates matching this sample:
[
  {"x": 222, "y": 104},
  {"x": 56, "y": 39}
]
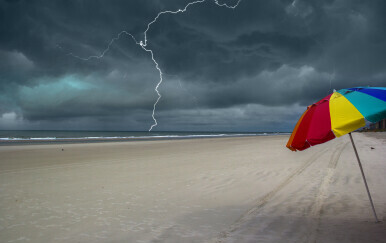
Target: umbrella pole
[{"x": 364, "y": 178}]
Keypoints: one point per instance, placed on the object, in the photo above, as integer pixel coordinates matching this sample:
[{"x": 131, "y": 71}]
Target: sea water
[{"x": 44, "y": 135}]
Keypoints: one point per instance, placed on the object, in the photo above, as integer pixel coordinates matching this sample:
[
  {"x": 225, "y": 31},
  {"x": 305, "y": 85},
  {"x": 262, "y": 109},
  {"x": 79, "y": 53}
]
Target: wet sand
[{"x": 249, "y": 189}]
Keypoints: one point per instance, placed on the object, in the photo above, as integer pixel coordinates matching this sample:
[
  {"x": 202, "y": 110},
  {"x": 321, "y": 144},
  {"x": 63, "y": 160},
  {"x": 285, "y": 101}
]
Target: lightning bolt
[{"x": 143, "y": 45}]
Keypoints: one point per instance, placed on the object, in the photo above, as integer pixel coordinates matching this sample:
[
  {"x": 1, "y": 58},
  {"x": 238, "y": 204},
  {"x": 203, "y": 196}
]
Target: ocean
[{"x": 28, "y": 136}]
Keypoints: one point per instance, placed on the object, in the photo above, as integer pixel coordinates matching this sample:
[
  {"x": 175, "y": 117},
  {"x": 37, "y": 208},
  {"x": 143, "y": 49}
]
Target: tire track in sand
[
  {"x": 264, "y": 200},
  {"x": 317, "y": 208}
]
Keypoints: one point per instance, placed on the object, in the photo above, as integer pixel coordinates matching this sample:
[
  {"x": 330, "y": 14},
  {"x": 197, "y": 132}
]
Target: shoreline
[
  {"x": 41, "y": 141},
  {"x": 59, "y": 141}
]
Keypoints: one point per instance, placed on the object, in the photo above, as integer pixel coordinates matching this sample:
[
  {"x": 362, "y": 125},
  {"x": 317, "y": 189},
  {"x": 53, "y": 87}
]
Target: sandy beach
[{"x": 246, "y": 189}]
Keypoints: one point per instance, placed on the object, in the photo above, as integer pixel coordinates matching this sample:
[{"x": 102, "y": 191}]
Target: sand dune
[{"x": 249, "y": 189}]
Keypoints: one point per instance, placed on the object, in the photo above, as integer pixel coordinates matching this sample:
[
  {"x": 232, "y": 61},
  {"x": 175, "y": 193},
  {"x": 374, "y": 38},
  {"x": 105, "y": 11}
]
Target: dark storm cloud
[
  {"x": 338, "y": 40},
  {"x": 46, "y": 31},
  {"x": 263, "y": 55}
]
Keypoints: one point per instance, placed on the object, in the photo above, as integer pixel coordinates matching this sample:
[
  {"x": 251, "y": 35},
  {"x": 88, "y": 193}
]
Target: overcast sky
[{"x": 252, "y": 68}]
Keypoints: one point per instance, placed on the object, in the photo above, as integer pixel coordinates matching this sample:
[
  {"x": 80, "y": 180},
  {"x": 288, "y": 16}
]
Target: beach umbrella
[{"x": 337, "y": 114}]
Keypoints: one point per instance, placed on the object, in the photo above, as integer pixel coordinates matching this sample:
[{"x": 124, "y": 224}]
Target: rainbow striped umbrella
[{"x": 340, "y": 113}]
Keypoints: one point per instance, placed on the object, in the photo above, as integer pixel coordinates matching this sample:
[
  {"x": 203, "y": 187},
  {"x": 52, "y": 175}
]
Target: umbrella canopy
[{"x": 337, "y": 114}]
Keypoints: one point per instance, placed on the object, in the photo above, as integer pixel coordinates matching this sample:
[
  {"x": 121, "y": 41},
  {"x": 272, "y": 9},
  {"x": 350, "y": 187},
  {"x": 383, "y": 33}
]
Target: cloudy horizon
[{"x": 252, "y": 68}]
